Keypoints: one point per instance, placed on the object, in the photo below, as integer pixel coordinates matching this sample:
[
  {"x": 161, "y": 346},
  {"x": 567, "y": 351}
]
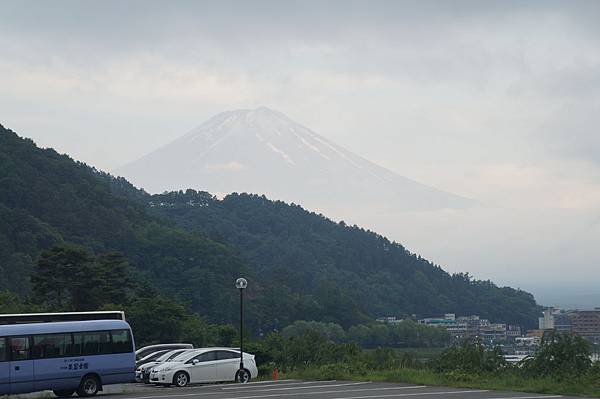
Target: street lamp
[{"x": 242, "y": 374}]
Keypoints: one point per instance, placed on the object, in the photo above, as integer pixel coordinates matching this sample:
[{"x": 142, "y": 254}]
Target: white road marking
[
  {"x": 397, "y": 395},
  {"x": 290, "y": 394},
  {"x": 221, "y": 391},
  {"x": 346, "y": 390},
  {"x": 309, "y": 387},
  {"x": 530, "y": 397},
  {"x": 269, "y": 382},
  {"x": 274, "y": 383},
  {"x": 279, "y": 395}
]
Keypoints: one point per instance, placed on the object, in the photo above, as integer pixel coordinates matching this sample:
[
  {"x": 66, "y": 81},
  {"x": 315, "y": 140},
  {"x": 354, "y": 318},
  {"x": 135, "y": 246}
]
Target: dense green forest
[
  {"x": 190, "y": 247},
  {"x": 301, "y": 255}
]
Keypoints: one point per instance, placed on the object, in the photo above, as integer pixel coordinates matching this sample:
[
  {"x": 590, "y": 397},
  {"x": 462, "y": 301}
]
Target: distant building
[
  {"x": 389, "y": 320},
  {"x": 526, "y": 345},
  {"x": 513, "y": 332},
  {"x": 528, "y": 341},
  {"x": 586, "y": 323},
  {"x": 448, "y": 318},
  {"x": 546, "y": 322},
  {"x": 493, "y": 332},
  {"x": 563, "y": 321},
  {"x": 535, "y": 333},
  {"x": 473, "y": 327},
  {"x": 457, "y": 330}
]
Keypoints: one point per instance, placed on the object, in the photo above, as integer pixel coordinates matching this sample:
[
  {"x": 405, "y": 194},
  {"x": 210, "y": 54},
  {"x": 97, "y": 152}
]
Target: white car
[
  {"x": 142, "y": 373},
  {"x": 205, "y": 365}
]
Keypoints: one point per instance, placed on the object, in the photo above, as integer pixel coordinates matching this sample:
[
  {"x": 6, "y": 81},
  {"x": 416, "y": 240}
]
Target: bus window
[
  {"x": 93, "y": 343},
  {"x": 75, "y": 347},
  {"x": 50, "y": 345},
  {"x": 19, "y": 348},
  {"x": 121, "y": 341},
  {"x": 3, "y": 350}
]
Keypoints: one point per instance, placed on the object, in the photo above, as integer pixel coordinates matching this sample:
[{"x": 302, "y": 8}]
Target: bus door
[
  {"x": 20, "y": 365},
  {"x": 4, "y": 374}
]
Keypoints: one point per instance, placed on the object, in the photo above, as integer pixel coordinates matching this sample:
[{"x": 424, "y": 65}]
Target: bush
[
  {"x": 335, "y": 371},
  {"x": 470, "y": 358},
  {"x": 389, "y": 359},
  {"x": 561, "y": 356}
]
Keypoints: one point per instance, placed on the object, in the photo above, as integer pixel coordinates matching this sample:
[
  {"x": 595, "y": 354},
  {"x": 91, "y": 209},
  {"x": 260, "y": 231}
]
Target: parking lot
[{"x": 295, "y": 389}]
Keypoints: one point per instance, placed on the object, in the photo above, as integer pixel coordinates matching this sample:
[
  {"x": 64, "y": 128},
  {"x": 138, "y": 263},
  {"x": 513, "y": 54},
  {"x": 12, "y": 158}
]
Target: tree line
[{"x": 404, "y": 334}]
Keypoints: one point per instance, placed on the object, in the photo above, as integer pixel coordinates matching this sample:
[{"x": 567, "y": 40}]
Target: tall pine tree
[
  {"x": 69, "y": 278},
  {"x": 64, "y": 279}
]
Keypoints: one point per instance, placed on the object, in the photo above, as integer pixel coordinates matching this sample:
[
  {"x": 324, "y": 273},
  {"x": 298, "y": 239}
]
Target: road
[{"x": 294, "y": 389}]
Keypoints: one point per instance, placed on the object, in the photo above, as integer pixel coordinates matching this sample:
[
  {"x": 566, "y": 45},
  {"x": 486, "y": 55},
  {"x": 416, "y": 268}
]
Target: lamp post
[{"x": 242, "y": 374}]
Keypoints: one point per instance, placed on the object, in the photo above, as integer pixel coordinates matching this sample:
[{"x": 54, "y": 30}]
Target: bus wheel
[
  {"x": 89, "y": 386},
  {"x": 63, "y": 393}
]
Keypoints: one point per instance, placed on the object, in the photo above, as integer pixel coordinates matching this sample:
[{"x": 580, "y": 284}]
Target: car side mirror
[{"x": 195, "y": 361}]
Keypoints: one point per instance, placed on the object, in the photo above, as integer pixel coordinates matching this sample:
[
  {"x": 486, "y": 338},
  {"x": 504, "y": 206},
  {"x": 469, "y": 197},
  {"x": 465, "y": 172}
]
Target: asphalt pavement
[{"x": 295, "y": 389}]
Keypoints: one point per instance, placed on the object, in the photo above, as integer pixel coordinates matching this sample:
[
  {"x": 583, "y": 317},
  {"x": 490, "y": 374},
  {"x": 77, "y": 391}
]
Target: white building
[{"x": 547, "y": 321}]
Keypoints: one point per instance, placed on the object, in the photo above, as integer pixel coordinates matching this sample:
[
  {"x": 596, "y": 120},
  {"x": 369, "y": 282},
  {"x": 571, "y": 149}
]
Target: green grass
[
  {"x": 508, "y": 381},
  {"x": 420, "y": 353}
]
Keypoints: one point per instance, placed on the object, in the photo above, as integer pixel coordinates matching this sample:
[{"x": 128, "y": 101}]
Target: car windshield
[
  {"x": 154, "y": 355},
  {"x": 169, "y": 356}
]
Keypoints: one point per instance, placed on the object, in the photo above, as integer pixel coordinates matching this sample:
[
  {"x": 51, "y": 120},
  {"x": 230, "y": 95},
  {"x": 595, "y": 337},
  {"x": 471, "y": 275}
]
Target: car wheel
[
  {"x": 89, "y": 386},
  {"x": 242, "y": 376},
  {"x": 63, "y": 393},
  {"x": 181, "y": 379}
]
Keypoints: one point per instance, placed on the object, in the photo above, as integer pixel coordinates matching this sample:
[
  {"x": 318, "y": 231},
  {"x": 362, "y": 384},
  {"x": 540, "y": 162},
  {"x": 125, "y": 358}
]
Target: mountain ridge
[{"x": 264, "y": 151}]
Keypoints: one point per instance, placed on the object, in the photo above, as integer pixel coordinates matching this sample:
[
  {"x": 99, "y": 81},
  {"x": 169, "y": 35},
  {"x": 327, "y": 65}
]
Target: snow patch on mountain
[
  {"x": 285, "y": 156},
  {"x": 229, "y": 166}
]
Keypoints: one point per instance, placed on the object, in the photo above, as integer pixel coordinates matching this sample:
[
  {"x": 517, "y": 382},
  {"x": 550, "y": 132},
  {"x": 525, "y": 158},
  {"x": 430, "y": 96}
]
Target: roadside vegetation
[{"x": 562, "y": 365}]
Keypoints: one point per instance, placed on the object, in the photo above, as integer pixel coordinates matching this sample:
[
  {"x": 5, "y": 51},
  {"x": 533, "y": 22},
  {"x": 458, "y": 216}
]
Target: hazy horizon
[{"x": 492, "y": 101}]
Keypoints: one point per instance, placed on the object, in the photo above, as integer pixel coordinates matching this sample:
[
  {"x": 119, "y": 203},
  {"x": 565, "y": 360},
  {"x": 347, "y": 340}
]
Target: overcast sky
[{"x": 497, "y": 101}]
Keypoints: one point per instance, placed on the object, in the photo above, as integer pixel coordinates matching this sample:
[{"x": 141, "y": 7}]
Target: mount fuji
[{"x": 263, "y": 151}]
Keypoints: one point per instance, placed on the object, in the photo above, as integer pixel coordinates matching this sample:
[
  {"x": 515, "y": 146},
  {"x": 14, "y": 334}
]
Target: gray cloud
[{"x": 494, "y": 100}]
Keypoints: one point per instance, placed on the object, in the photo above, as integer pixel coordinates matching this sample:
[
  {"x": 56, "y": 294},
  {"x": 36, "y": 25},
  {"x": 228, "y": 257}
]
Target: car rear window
[{"x": 224, "y": 355}]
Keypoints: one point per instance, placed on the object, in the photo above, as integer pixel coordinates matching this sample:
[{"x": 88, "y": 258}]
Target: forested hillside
[
  {"x": 47, "y": 198},
  {"x": 191, "y": 246},
  {"x": 311, "y": 267}
]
